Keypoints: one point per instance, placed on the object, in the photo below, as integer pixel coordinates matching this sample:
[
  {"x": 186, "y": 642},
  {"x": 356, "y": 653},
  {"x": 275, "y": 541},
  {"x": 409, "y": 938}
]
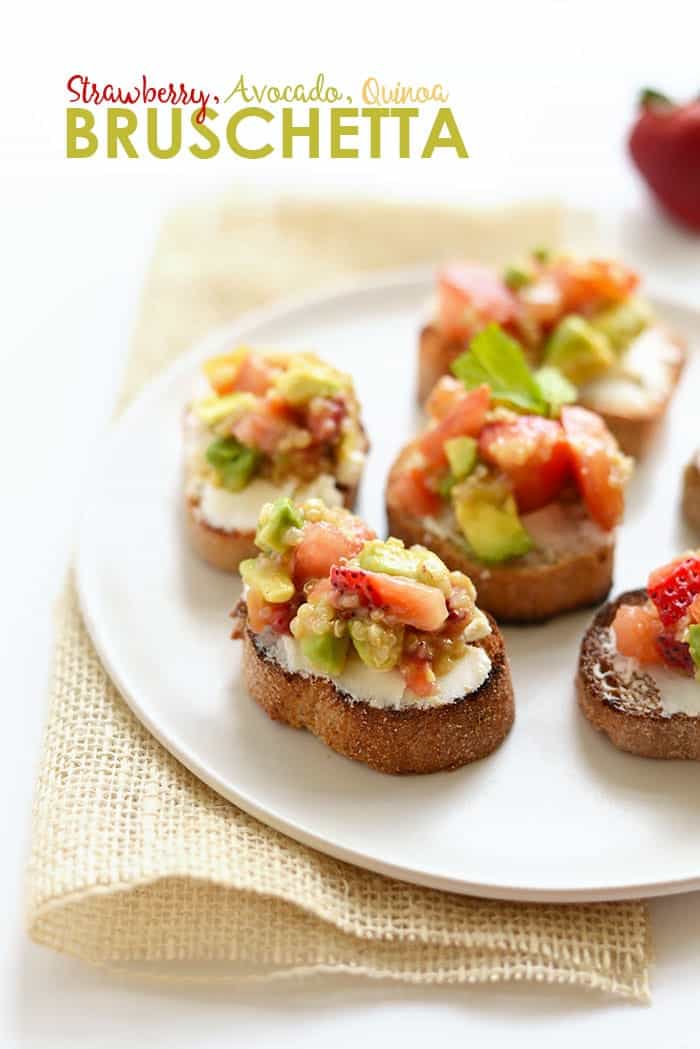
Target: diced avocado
[
  {"x": 326, "y": 651},
  {"x": 268, "y": 578},
  {"x": 306, "y": 379},
  {"x": 624, "y": 322},
  {"x": 275, "y": 521},
  {"x": 461, "y": 455},
  {"x": 234, "y": 462},
  {"x": 515, "y": 276},
  {"x": 381, "y": 651},
  {"x": 213, "y": 410},
  {"x": 446, "y": 483},
  {"x": 489, "y": 521},
  {"x": 392, "y": 558},
  {"x": 694, "y": 642},
  {"x": 541, "y": 254},
  {"x": 579, "y": 351}
]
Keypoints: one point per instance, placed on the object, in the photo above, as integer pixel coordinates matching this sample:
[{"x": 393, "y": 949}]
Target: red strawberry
[
  {"x": 665, "y": 146},
  {"x": 419, "y": 676},
  {"x": 673, "y": 587},
  {"x": 415, "y": 604},
  {"x": 675, "y": 653},
  {"x": 324, "y": 418}
]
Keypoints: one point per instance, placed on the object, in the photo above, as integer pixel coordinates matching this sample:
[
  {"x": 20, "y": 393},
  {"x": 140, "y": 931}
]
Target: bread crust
[
  {"x": 633, "y": 432},
  {"x": 691, "y": 492},
  {"x": 222, "y": 550},
  {"x": 514, "y": 593},
  {"x": 398, "y": 742},
  {"x": 634, "y": 726},
  {"x": 225, "y": 550},
  {"x": 435, "y": 355}
]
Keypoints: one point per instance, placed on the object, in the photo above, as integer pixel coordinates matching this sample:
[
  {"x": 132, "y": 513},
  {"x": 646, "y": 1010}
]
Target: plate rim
[{"x": 374, "y": 282}]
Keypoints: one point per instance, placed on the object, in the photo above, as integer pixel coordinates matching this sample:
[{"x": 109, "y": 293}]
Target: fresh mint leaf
[
  {"x": 555, "y": 388},
  {"x": 497, "y": 360}
]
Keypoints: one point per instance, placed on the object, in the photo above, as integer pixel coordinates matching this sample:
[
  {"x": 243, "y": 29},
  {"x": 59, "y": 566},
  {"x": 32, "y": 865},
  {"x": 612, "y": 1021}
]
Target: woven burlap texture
[{"x": 136, "y": 864}]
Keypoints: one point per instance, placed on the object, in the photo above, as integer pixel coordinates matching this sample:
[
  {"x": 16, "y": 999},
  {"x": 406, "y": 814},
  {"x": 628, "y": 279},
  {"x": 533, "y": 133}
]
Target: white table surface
[{"x": 74, "y": 247}]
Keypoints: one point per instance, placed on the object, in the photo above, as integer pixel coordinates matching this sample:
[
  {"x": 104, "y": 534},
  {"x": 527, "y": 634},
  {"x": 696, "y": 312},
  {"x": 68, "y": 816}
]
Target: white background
[{"x": 543, "y": 93}]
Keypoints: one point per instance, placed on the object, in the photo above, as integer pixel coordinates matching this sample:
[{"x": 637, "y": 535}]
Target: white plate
[{"x": 557, "y": 813}]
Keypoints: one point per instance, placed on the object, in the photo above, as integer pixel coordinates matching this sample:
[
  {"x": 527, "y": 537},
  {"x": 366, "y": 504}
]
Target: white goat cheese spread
[
  {"x": 642, "y": 380},
  {"x": 239, "y": 511},
  {"x": 679, "y": 694},
  {"x": 386, "y": 688}
]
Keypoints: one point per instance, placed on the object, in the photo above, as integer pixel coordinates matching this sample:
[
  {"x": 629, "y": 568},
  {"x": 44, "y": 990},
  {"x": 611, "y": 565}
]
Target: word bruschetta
[
  {"x": 639, "y": 670},
  {"x": 581, "y": 315},
  {"x": 512, "y": 485},
  {"x": 261, "y": 425},
  {"x": 376, "y": 648}
]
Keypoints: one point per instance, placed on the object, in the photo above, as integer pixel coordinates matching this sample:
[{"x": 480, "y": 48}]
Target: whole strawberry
[{"x": 665, "y": 146}]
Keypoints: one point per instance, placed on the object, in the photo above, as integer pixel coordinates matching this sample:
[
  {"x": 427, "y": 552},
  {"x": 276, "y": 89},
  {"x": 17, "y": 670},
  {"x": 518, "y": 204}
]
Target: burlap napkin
[{"x": 136, "y": 864}]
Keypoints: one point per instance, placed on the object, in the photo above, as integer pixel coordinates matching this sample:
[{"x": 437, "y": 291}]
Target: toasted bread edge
[
  {"x": 398, "y": 742},
  {"x": 691, "y": 494},
  {"x": 646, "y": 735}
]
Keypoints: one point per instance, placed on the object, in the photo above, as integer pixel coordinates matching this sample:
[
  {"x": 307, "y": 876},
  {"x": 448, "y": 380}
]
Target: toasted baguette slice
[
  {"x": 518, "y": 591},
  {"x": 421, "y": 740},
  {"x": 633, "y": 430},
  {"x": 629, "y": 711},
  {"x": 226, "y": 549},
  {"x": 691, "y": 492}
]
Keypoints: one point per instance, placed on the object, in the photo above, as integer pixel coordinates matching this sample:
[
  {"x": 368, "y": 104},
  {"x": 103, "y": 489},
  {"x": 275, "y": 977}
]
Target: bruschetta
[
  {"x": 262, "y": 425},
  {"x": 691, "y": 492},
  {"x": 583, "y": 316},
  {"x": 513, "y": 485},
  {"x": 376, "y": 648},
  {"x": 639, "y": 669}
]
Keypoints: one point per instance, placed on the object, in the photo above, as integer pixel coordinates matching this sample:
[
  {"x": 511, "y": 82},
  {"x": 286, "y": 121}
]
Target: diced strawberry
[
  {"x": 470, "y": 296},
  {"x": 324, "y": 417},
  {"x": 637, "y": 629},
  {"x": 409, "y": 490},
  {"x": 415, "y": 604},
  {"x": 254, "y": 375},
  {"x": 586, "y": 284},
  {"x": 464, "y": 419},
  {"x": 675, "y": 653},
  {"x": 533, "y": 453},
  {"x": 276, "y": 405},
  {"x": 419, "y": 676},
  {"x": 694, "y": 609},
  {"x": 319, "y": 591},
  {"x": 674, "y": 587},
  {"x": 446, "y": 393},
  {"x": 257, "y": 607},
  {"x": 262, "y": 615},
  {"x": 263, "y": 428},
  {"x": 599, "y": 467},
  {"x": 222, "y": 379},
  {"x": 321, "y": 546},
  {"x": 221, "y": 371}
]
